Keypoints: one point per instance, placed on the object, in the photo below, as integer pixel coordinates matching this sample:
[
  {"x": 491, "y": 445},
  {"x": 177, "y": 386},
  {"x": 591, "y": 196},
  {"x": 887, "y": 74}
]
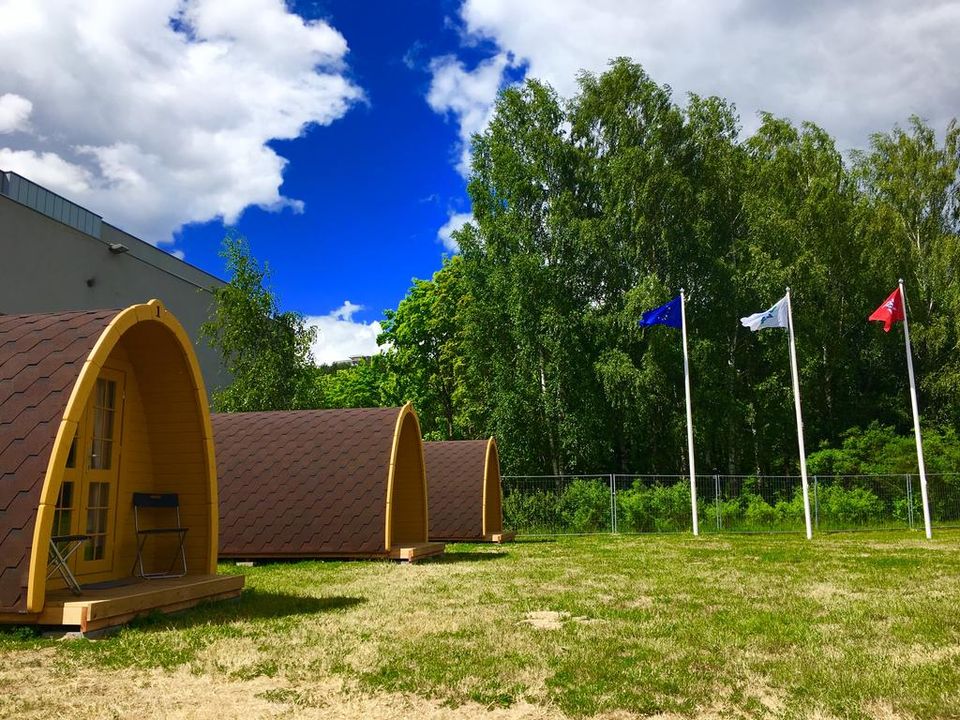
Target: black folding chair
[
  {"x": 159, "y": 510},
  {"x": 61, "y": 548}
]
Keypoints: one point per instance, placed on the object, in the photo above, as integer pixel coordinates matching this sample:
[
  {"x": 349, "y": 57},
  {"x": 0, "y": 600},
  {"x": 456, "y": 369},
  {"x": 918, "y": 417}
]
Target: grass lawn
[{"x": 845, "y": 626}]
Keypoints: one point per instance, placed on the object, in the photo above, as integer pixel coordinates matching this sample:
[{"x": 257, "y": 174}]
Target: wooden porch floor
[{"x": 99, "y": 608}]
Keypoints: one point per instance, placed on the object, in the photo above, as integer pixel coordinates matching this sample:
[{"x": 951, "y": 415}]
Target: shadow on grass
[
  {"x": 253, "y": 604},
  {"x": 455, "y": 557}
]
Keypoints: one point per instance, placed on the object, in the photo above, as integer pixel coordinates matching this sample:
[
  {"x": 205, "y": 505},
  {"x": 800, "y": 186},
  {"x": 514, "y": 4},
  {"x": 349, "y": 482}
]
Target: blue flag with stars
[{"x": 668, "y": 315}]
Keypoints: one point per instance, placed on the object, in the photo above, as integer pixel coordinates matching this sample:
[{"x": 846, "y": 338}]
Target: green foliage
[
  {"x": 758, "y": 513},
  {"x": 590, "y": 210},
  {"x": 584, "y": 506},
  {"x": 368, "y": 383},
  {"x": 880, "y": 450},
  {"x": 657, "y": 508},
  {"x": 531, "y": 512},
  {"x": 424, "y": 355},
  {"x": 266, "y": 352},
  {"x": 850, "y": 508}
]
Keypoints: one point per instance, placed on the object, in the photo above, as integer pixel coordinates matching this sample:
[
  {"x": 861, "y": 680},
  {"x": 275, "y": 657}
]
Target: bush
[
  {"x": 879, "y": 450},
  {"x": 534, "y": 511},
  {"x": 856, "y": 506},
  {"x": 759, "y": 513},
  {"x": 731, "y": 513},
  {"x": 584, "y": 506},
  {"x": 660, "y": 508}
]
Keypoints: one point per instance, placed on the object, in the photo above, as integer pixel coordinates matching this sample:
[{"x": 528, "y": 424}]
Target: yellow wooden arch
[
  {"x": 399, "y": 438},
  {"x": 491, "y": 461},
  {"x": 151, "y": 312}
]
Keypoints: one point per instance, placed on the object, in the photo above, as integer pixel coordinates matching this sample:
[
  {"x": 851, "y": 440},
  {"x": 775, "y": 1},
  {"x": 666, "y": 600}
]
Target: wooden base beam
[{"x": 418, "y": 551}]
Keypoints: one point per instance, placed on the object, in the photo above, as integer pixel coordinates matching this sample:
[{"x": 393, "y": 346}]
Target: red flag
[{"x": 890, "y": 312}]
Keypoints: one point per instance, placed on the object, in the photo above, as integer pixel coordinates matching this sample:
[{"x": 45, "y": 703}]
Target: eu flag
[{"x": 668, "y": 315}]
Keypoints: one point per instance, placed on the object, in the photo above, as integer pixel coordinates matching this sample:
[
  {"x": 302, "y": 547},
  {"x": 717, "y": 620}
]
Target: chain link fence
[{"x": 578, "y": 504}]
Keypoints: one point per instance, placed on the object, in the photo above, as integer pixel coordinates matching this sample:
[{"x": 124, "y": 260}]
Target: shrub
[
  {"x": 660, "y": 508},
  {"x": 530, "y": 511},
  {"x": 759, "y": 513},
  {"x": 730, "y": 511},
  {"x": 856, "y": 506},
  {"x": 584, "y": 506}
]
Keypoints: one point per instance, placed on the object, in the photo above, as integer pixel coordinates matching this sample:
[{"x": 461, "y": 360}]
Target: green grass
[{"x": 846, "y": 626}]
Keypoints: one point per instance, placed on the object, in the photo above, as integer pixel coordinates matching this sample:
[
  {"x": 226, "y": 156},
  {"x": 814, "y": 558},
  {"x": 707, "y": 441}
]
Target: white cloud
[
  {"x": 157, "y": 113},
  {"x": 853, "y": 67},
  {"x": 467, "y": 95},
  {"x": 454, "y": 223},
  {"x": 339, "y": 336},
  {"x": 14, "y": 113}
]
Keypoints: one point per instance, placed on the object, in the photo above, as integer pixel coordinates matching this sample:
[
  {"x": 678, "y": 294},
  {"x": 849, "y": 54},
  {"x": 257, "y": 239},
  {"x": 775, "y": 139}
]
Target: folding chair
[
  {"x": 58, "y": 558},
  {"x": 160, "y": 507}
]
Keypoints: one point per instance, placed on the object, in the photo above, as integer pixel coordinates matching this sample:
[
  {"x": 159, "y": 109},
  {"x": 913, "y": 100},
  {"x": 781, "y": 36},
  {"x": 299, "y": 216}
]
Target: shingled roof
[
  {"x": 463, "y": 478},
  {"x": 317, "y": 483},
  {"x": 40, "y": 361}
]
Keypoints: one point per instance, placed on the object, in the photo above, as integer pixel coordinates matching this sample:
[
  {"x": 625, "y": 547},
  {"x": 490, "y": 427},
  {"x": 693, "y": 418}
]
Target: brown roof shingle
[
  {"x": 455, "y": 478},
  {"x": 40, "y": 360},
  {"x": 306, "y": 483}
]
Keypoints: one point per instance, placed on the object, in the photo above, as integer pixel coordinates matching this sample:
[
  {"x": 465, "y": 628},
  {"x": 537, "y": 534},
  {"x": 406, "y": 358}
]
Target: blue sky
[
  {"x": 334, "y": 134},
  {"x": 377, "y": 185}
]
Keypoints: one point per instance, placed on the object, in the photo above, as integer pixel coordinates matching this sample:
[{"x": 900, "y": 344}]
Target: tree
[
  {"x": 423, "y": 336},
  {"x": 591, "y": 210},
  {"x": 368, "y": 383},
  {"x": 265, "y": 351}
]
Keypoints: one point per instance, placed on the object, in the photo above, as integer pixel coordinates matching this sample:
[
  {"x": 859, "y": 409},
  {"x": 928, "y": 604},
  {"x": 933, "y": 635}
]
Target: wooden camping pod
[
  {"x": 322, "y": 484},
  {"x": 95, "y": 406},
  {"x": 463, "y": 477}
]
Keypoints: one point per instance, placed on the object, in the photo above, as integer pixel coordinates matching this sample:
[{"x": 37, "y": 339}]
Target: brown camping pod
[
  {"x": 98, "y": 408},
  {"x": 322, "y": 484},
  {"x": 465, "y": 498}
]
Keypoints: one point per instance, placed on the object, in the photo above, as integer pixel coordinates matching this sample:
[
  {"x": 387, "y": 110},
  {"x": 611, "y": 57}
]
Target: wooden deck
[
  {"x": 99, "y": 608},
  {"x": 418, "y": 551}
]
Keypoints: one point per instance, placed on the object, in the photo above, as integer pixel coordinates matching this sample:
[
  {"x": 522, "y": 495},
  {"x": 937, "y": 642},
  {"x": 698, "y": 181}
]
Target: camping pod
[
  {"x": 322, "y": 484},
  {"x": 463, "y": 477},
  {"x": 98, "y": 408}
]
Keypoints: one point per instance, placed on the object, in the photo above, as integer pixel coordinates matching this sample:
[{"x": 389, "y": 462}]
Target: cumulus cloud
[
  {"x": 454, "y": 223},
  {"x": 852, "y": 67},
  {"x": 14, "y": 112},
  {"x": 466, "y": 95},
  {"x": 339, "y": 336},
  {"x": 157, "y": 113}
]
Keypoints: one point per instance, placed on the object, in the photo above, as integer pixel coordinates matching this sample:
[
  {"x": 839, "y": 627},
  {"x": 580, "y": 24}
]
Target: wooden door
[{"x": 98, "y": 454}]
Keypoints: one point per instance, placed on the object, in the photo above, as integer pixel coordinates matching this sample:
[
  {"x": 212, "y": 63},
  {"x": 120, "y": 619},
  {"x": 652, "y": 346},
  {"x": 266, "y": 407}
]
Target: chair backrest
[{"x": 156, "y": 500}]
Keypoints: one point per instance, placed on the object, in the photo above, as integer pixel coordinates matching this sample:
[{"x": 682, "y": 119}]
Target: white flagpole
[
  {"x": 916, "y": 417},
  {"x": 686, "y": 382},
  {"x": 796, "y": 402}
]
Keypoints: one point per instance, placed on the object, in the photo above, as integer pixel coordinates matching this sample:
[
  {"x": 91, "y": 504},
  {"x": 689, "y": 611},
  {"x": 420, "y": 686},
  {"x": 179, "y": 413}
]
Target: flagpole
[
  {"x": 686, "y": 382},
  {"x": 796, "y": 402},
  {"x": 916, "y": 416}
]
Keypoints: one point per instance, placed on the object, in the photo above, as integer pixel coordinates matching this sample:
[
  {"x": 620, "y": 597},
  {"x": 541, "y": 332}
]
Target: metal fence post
[
  {"x": 716, "y": 496},
  {"x": 613, "y": 503},
  {"x": 816, "y": 503},
  {"x": 909, "y": 481}
]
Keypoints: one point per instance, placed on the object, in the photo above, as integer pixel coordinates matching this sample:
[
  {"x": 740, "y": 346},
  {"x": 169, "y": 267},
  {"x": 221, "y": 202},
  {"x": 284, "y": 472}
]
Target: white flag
[{"x": 776, "y": 316}]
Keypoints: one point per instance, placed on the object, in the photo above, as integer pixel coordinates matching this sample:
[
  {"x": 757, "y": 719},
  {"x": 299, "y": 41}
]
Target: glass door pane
[{"x": 100, "y": 472}]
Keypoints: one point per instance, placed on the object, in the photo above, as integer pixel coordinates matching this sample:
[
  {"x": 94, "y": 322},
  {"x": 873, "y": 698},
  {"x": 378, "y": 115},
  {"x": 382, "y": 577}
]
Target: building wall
[{"x": 49, "y": 266}]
